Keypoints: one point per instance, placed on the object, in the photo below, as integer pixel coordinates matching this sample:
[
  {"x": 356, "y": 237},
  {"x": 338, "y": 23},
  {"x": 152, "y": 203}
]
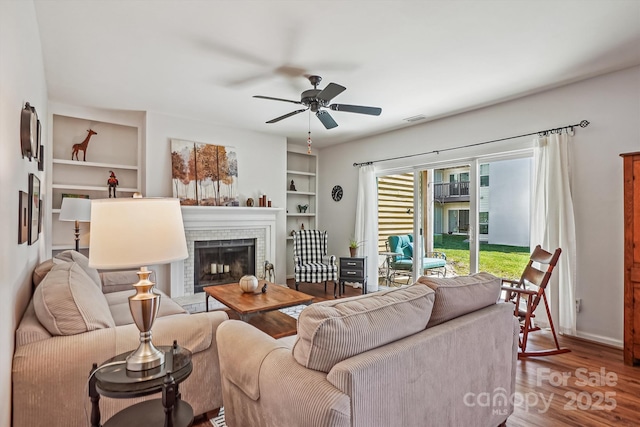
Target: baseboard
[{"x": 618, "y": 344}]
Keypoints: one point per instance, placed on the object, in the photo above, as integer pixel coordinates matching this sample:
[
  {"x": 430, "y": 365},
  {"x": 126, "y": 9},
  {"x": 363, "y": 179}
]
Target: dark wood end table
[
  {"x": 113, "y": 380},
  {"x": 353, "y": 269}
]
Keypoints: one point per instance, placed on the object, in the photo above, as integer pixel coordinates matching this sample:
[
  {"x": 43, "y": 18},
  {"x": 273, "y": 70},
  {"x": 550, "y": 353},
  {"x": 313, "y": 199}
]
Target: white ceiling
[{"x": 205, "y": 59}]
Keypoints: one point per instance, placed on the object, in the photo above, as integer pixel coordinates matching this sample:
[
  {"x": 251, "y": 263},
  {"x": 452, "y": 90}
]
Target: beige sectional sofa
[
  {"x": 77, "y": 317},
  {"x": 423, "y": 355}
]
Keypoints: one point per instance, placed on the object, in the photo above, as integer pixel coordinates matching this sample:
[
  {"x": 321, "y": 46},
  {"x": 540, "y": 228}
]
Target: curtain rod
[{"x": 582, "y": 124}]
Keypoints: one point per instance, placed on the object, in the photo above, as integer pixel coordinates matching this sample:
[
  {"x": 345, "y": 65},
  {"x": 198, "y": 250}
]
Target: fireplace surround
[{"x": 204, "y": 223}]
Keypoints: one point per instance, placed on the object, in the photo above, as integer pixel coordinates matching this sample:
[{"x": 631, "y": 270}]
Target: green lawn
[{"x": 499, "y": 260}]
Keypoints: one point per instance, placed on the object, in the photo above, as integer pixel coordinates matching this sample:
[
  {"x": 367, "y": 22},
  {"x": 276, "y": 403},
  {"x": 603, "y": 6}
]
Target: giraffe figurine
[
  {"x": 112, "y": 182},
  {"x": 82, "y": 146}
]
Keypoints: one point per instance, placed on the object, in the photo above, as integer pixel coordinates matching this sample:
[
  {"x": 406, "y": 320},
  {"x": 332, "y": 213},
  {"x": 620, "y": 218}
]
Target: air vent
[{"x": 415, "y": 118}]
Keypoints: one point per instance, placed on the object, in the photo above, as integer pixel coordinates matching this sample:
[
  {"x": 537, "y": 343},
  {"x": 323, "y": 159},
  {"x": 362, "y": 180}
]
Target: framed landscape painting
[{"x": 204, "y": 174}]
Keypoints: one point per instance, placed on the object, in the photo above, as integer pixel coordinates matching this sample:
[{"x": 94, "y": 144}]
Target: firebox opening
[{"x": 217, "y": 262}]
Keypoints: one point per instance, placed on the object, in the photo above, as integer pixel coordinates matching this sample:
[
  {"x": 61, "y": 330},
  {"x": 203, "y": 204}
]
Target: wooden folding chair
[{"x": 527, "y": 293}]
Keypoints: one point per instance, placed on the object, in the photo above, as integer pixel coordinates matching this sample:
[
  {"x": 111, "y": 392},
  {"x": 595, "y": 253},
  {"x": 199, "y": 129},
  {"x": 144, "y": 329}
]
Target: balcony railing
[{"x": 451, "y": 191}]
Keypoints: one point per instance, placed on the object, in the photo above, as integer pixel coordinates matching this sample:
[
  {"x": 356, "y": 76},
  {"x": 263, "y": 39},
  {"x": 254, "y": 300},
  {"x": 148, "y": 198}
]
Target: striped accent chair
[{"x": 312, "y": 265}]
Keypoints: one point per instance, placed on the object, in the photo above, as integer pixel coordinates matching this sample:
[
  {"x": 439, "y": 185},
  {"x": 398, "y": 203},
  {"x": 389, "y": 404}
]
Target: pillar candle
[
  {"x": 214, "y": 268},
  {"x": 226, "y": 268}
]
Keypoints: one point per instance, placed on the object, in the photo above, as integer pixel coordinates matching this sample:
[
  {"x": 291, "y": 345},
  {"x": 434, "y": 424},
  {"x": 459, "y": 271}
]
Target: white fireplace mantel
[{"x": 225, "y": 218}]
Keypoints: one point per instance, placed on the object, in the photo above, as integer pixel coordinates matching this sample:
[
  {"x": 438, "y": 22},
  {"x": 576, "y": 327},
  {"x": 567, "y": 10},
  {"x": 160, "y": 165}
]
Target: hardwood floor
[{"x": 588, "y": 387}]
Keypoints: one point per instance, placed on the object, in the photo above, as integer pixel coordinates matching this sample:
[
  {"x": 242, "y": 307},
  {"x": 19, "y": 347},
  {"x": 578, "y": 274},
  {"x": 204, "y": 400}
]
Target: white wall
[
  {"x": 22, "y": 80},
  {"x": 610, "y": 102},
  {"x": 261, "y": 168}
]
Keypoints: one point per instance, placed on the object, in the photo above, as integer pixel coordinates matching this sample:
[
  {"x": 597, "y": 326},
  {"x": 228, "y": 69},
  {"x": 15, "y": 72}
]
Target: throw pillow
[
  {"x": 43, "y": 269},
  {"x": 82, "y": 261},
  {"x": 67, "y": 302},
  {"x": 332, "y": 331},
  {"x": 456, "y": 296}
]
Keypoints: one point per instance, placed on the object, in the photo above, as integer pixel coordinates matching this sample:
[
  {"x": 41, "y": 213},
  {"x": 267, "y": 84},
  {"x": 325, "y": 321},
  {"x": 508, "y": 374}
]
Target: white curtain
[
  {"x": 553, "y": 226},
  {"x": 367, "y": 223}
]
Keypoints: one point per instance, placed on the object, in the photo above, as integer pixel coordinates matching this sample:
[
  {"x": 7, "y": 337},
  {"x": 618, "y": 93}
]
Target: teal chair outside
[{"x": 403, "y": 262}]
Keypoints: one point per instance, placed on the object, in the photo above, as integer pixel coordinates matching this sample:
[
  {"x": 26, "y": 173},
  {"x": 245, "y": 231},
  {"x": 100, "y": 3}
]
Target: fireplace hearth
[{"x": 217, "y": 262}]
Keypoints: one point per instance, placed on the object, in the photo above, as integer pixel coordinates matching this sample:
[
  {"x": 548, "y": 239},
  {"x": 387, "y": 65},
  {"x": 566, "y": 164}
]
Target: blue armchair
[{"x": 403, "y": 262}]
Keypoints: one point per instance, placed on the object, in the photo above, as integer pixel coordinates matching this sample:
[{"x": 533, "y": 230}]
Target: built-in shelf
[
  {"x": 90, "y": 188},
  {"x": 115, "y": 147},
  {"x": 94, "y": 164},
  {"x": 302, "y": 173},
  {"x": 302, "y": 169},
  {"x": 301, "y": 193}
]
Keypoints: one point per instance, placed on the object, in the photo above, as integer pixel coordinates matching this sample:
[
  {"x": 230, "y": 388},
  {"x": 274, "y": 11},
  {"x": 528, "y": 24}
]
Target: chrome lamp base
[
  {"x": 144, "y": 307},
  {"x": 146, "y": 356}
]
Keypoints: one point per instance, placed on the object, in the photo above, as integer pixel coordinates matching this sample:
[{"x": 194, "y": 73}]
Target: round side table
[{"x": 113, "y": 380}]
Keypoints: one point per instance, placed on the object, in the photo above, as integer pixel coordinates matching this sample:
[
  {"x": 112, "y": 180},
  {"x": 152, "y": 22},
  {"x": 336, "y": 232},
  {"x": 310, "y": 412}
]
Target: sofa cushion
[
  {"x": 68, "y": 302},
  {"x": 331, "y": 331},
  {"x": 456, "y": 296},
  {"x": 83, "y": 262},
  {"x": 118, "y": 303},
  {"x": 43, "y": 269}
]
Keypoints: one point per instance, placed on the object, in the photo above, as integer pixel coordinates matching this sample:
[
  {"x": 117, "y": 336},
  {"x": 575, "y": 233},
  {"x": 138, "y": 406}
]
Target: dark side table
[
  {"x": 116, "y": 382},
  {"x": 354, "y": 270}
]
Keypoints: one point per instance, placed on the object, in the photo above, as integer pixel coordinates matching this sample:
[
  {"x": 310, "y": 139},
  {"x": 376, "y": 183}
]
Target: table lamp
[
  {"x": 138, "y": 232},
  {"x": 78, "y": 210}
]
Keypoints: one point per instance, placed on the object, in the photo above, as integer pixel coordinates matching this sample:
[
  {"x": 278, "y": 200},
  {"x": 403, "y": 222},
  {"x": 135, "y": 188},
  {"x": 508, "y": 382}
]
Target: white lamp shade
[
  {"x": 75, "y": 209},
  {"x": 132, "y": 232}
]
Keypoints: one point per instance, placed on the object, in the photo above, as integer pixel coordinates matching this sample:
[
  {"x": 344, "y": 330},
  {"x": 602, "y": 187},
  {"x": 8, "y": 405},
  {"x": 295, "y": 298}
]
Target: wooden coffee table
[{"x": 261, "y": 309}]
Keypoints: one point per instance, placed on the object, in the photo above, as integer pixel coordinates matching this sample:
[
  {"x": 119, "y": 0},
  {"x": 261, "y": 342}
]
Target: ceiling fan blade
[
  {"x": 293, "y": 113},
  {"x": 331, "y": 91},
  {"x": 372, "y": 111},
  {"x": 326, "y": 119},
  {"x": 277, "y": 99}
]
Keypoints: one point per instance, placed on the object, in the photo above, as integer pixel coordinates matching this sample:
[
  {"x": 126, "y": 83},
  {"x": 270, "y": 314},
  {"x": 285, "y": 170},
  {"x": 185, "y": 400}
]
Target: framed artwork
[
  {"x": 34, "y": 208},
  {"x": 23, "y": 217},
  {"x": 41, "y": 159},
  {"x": 36, "y": 142},
  {"x": 204, "y": 174},
  {"x": 40, "y": 210}
]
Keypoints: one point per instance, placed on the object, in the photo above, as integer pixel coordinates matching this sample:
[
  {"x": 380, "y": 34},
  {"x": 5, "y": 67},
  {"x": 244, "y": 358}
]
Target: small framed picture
[
  {"x": 23, "y": 217},
  {"x": 41, "y": 159},
  {"x": 34, "y": 208}
]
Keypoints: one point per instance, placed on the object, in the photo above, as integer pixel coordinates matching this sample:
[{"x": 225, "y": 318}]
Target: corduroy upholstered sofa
[
  {"x": 416, "y": 356},
  {"x": 78, "y": 316}
]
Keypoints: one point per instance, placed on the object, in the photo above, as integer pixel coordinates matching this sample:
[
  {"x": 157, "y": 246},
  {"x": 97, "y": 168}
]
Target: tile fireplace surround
[{"x": 222, "y": 223}]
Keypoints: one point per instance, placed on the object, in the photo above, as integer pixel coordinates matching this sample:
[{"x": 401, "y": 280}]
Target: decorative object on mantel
[
  {"x": 23, "y": 217},
  {"x": 112, "y": 182},
  {"x": 292, "y": 187},
  {"x": 136, "y": 222},
  {"x": 269, "y": 272},
  {"x": 82, "y": 146},
  {"x": 78, "y": 210},
  {"x": 250, "y": 202},
  {"x": 204, "y": 174},
  {"x": 249, "y": 284},
  {"x": 29, "y": 132}
]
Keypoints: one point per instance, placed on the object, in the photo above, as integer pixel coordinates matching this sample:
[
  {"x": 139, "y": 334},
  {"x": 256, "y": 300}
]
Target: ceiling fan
[{"x": 316, "y": 99}]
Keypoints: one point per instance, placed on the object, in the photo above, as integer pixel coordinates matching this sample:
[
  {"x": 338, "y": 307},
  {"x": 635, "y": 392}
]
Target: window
[
  {"x": 458, "y": 220},
  {"x": 484, "y": 175},
  {"x": 483, "y": 219}
]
